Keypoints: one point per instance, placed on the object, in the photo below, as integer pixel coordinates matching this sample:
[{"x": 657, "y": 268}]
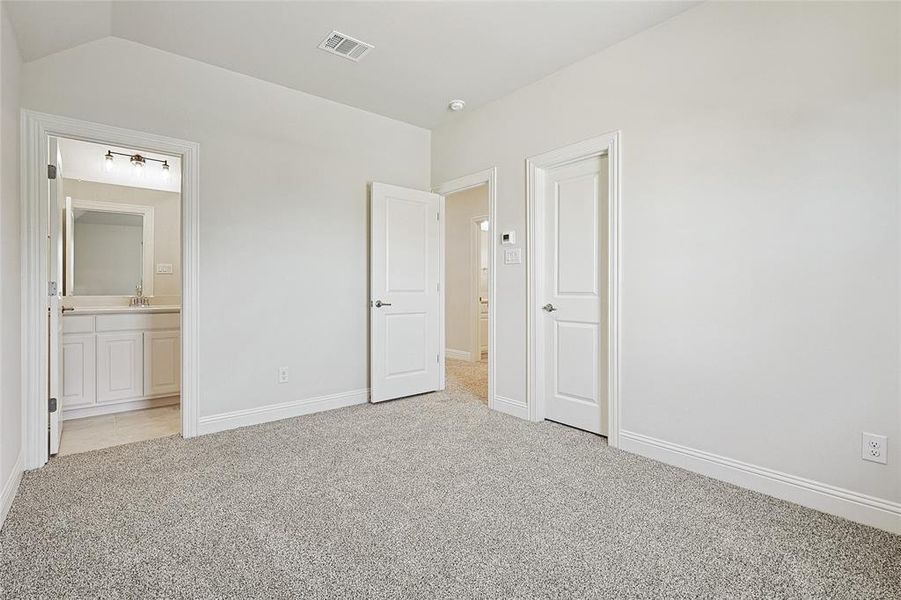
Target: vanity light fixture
[{"x": 138, "y": 162}]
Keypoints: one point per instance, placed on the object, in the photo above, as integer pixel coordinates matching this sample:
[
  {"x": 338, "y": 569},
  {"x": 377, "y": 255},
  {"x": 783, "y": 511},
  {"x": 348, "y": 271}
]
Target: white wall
[
  {"x": 460, "y": 209},
  {"x": 166, "y": 225},
  {"x": 10, "y": 270},
  {"x": 760, "y": 181},
  {"x": 283, "y": 209}
]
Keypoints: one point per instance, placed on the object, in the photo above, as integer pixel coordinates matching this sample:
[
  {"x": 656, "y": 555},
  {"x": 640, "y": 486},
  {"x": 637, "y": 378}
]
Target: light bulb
[
  {"x": 108, "y": 161},
  {"x": 165, "y": 170},
  {"x": 137, "y": 161}
]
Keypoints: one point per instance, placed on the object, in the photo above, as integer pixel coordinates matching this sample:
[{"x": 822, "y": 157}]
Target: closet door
[{"x": 120, "y": 366}]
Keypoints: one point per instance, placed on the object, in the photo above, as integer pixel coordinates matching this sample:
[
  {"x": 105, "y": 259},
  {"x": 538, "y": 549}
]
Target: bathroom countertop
[{"x": 106, "y": 310}]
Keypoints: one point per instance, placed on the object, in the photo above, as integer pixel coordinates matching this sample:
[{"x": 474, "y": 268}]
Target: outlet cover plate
[
  {"x": 873, "y": 447},
  {"x": 283, "y": 374}
]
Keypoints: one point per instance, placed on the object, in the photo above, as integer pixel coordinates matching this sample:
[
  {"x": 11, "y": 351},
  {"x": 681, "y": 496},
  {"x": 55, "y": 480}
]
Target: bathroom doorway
[
  {"x": 115, "y": 248},
  {"x": 110, "y": 302}
]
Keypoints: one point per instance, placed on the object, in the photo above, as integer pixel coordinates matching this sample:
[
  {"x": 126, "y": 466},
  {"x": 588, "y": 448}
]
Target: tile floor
[{"x": 93, "y": 433}]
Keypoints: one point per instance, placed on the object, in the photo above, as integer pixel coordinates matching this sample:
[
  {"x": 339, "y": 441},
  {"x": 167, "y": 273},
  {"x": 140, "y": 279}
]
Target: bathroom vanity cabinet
[{"x": 117, "y": 360}]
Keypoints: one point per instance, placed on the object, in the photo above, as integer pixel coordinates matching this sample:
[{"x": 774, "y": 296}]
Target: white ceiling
[
  {"x": 85, "y": 161},
  {"x": 426, "y": 53}
]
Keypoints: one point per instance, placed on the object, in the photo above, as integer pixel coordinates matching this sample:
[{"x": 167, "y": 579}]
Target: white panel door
[
  {"x": 404, "y": 301},
  {"x": 79, "y": 372},
  {"x": 573, "y": 287},
  {"x": 55, "y": 291},
  {"x": 120, "y": 366},
  {"x": 162, "y": 362}
]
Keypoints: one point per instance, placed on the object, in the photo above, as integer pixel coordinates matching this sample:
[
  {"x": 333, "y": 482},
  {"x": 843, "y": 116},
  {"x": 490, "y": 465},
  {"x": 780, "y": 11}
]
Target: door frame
[
  {"x": 487, "y": 177},
  {"x": 36, "y": 129},
  {"x": 475, "y": 312},
  {"x": 607, "y": 145}
]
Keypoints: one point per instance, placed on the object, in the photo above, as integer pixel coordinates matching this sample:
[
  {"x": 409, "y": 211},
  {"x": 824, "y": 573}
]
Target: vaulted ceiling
[{"x": 426, "y": 53}]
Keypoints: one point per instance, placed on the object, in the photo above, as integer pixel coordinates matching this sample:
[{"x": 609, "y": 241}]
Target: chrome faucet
[{"x": 139, "y": 299}]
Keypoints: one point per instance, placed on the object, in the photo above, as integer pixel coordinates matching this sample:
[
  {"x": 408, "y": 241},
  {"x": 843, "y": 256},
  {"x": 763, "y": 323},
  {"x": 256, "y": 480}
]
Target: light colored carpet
[
  {"x": 429, "y": 497},
  {"x": 468, "y": 380}
]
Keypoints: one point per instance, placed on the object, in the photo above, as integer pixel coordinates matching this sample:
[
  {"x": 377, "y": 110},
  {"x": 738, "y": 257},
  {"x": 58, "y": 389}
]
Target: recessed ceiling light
[{"x": 456, "y": 105}]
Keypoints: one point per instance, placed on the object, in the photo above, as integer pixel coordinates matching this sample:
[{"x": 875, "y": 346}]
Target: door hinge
[
  {"x": 437, "y": 216},
  {"x": 438, "y": 358},
  {"x": 51, "y": 405},
  {"x": 51, "y": 171},
  {"x": 51, "y": 288}
]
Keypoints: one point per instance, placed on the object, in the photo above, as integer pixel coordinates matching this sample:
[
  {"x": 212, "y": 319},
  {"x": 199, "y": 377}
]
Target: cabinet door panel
[
  {"x": 79, "y": 376},
  {"x": 162, "y": 362},
  {"x": 120, "y": 366}
]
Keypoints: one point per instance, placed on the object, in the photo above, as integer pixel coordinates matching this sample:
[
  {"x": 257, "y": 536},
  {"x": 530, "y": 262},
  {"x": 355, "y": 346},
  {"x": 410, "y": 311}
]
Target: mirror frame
[{"x": 146, "y": 251}]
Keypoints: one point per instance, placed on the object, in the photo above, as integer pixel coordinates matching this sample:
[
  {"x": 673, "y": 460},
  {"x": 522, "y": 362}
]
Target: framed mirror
[{"x": 109, "y": 248}]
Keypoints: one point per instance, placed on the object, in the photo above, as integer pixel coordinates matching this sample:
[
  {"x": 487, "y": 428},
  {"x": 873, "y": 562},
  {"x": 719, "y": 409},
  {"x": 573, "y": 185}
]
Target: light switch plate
[
  {"x": 513, "y": 256},
  {"x": 164, "y": 268},
  {"x": 508, "y": 238}
]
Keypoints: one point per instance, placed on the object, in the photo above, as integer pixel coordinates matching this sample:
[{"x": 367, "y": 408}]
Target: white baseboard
[
  {"x": 457, "y": 354},
  {"x": 850, "y": 505},
  {"x": 512, "y": 407},
  {"x": 285, "y": 410},
  {"x": 10, "y": 487},
  {"x": 108, "y": 409}
]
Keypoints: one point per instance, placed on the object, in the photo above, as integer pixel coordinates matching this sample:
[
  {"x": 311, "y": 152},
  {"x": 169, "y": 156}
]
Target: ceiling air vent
[{"x": 345, "y": 46}]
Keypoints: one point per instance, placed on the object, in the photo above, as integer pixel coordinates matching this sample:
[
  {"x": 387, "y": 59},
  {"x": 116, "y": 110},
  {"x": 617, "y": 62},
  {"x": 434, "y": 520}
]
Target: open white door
[
  {"x": 405, "y": 325},
  {"x": 54, "y": 290}
]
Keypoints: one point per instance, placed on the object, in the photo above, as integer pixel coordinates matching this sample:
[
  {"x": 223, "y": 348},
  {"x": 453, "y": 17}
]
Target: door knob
[
  {"x": 379, "y": 304},
  {"x": 549, "y": 307}
]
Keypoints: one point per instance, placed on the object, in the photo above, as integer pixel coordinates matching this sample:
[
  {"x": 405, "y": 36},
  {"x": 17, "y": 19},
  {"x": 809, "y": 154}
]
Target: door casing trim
[
  {"x": 36, "y": 128},
  {"x": 608, "y": 145},
  {"x": 487, "y": 177}
]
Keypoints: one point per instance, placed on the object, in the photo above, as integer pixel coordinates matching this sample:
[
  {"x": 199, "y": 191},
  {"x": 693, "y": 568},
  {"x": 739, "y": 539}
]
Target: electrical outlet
[
  {"x": 283, "y": 374},
  {"x": 873, "y": 447}
]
